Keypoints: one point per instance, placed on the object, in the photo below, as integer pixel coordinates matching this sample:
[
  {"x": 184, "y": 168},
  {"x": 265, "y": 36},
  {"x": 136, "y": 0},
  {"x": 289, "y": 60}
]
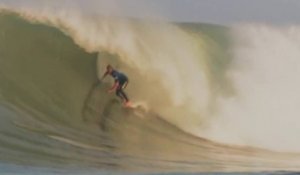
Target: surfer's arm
[
  {"x": 104, "y": 75},
  {"x": 116, "y": 84}
]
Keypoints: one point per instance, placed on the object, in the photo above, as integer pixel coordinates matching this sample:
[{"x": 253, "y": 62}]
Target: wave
[
  {"x": 145, "y": 58},
  {"x": 193, "y": 69},
  {"x": 58, "y": 113}
]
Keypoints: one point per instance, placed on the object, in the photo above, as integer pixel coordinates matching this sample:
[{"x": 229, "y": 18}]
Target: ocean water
[{"x": 214, "y": 99}]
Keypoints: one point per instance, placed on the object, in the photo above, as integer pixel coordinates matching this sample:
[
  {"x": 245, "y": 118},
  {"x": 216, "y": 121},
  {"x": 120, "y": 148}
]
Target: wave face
[{"x": 206, "y": 88}]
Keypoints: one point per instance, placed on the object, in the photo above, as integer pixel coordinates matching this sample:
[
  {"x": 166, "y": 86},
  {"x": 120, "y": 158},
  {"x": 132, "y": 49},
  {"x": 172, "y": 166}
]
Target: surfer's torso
[{"x": 118, "y": 76}]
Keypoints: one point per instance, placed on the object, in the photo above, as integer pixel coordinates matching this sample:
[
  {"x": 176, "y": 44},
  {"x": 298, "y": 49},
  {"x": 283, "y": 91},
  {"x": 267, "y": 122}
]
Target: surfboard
[
  {"x": 137, "y": 105},
  {"x": 138, "y": 108}
]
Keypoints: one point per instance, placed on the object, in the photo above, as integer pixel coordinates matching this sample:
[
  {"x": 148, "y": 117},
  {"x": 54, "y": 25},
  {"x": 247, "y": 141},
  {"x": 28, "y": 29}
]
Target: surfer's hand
[{"x": 110, "y": 91}]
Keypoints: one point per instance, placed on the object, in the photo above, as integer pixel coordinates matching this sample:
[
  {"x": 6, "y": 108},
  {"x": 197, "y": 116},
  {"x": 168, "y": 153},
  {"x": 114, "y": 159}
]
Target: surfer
[{"x": 121, "y": 82}]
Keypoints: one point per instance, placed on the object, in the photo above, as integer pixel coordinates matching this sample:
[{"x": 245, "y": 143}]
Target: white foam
[{"x": 265, "y": 112}]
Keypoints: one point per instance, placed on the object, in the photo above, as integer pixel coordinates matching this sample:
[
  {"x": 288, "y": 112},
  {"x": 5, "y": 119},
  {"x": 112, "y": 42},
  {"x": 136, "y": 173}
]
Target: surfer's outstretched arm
[{"x": 104, "y": 75}]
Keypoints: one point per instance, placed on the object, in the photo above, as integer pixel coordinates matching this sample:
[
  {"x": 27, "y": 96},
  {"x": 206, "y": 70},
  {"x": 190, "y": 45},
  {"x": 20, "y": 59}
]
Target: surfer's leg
[
  {"x": 120, "y": 91},
  {"x": 124, "y": 95},
  {"x": 123, "y": 86},
  {"x": 119, "y": 94}
]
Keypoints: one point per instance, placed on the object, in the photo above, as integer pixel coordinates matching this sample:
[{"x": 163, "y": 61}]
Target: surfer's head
[{"x": 109, "y": 68}]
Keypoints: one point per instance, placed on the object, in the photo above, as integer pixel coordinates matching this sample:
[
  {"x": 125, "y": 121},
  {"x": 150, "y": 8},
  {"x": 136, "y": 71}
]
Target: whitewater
[{"x": 219, "y": 99}]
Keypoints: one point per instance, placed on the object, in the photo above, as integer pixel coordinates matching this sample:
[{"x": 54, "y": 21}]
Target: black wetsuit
[{"x": 121, "y": 79}]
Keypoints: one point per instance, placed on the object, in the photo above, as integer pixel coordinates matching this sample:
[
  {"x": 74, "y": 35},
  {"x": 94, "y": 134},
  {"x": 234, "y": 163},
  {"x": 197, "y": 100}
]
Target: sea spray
[{"x": 265, "y": 73}]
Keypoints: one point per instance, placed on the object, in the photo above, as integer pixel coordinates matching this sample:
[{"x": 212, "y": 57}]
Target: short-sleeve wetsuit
[{"x": 122, "y": 80}]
